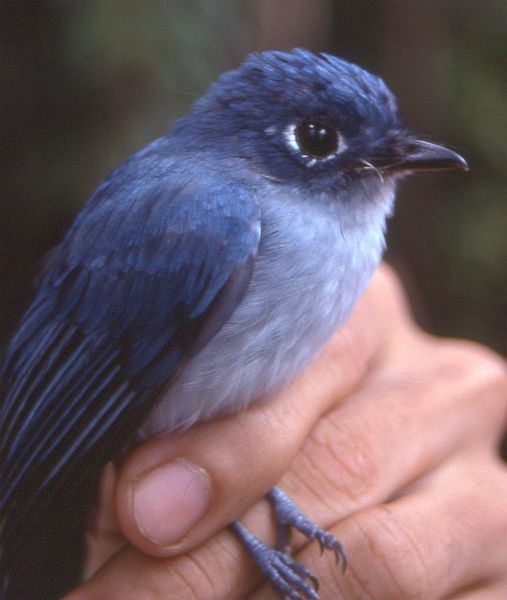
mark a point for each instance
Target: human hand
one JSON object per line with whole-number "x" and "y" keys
{"x": 389, "y": 440}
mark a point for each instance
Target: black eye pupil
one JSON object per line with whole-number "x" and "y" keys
{"x": 316, "y": 139}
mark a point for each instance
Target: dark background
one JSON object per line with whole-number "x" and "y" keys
{"x": 84, "y": 84}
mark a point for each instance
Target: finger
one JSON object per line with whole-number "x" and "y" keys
{"x": 220, "y": 568}
{"x": 494, "y": 591}
{"x": 103, "y": 534}
{"x": 400, "y": 426}
{"x": 447, "y": 535}
{"x": 175, "y": 492}
{"x": 400, "y": 550}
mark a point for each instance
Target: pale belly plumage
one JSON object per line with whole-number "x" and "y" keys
{"x": 309, "y": 272}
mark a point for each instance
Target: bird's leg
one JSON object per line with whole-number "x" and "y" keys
{"x": 288, "y": 515}
{"x": 290, "y": 579}
{"x": 283, "y": 535}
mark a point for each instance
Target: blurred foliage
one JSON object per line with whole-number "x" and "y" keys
{"x": 477, "y": 241}
{"x": 85, "y": 83}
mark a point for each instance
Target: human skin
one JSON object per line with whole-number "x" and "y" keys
{"x": 389, "y": 440}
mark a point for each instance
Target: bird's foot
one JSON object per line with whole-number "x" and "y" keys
{"x": 290, "y": 579}
{"x": 288, "y": 515}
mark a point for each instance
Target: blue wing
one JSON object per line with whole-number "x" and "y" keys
{"x": 152, "y": 268}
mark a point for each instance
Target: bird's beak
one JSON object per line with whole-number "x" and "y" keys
{"x": 419, "y": 155}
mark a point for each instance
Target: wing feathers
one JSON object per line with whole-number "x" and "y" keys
{"x": 123, "y": 301}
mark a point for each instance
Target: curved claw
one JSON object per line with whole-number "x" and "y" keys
{"x": 328, "y": 541}
{"x": 288, "y": 578}
{"x": 315, "y": 582}
{"x": 321, "y": 545}
{"x": 289, "y": 515}
{"x": 296, "y": 574}
{"x": 341, "y": 557}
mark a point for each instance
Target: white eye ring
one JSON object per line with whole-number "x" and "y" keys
{"x": 294, "y": 147}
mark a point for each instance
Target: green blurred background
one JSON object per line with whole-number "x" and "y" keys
{"x": 85, "y": 83}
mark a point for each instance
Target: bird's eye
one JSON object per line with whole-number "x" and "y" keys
{"x": 316, "y": 139}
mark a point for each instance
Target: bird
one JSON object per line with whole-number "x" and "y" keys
{"x": 204, "y": 273}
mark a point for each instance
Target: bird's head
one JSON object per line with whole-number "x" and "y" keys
{"x": 314, "y": 120}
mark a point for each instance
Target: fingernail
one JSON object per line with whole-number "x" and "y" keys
{"x": 170, "y": 500}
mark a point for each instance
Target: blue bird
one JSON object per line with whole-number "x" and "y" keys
{"x": 206, "y": 271}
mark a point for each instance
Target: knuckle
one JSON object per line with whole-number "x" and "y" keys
{"x": 484, "y": 373}
{"x": 348, "y": 355}
{"x": 492, "y": 374}
{"x": 468, "y": 365}
{"x": 481, "y": 363}
{"x": 397, "y": 567}
{"x": 189, "y": 580}
{"x": 339, "y": 446}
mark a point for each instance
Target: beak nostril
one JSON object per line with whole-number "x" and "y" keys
{"x": 412, "y": 155}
